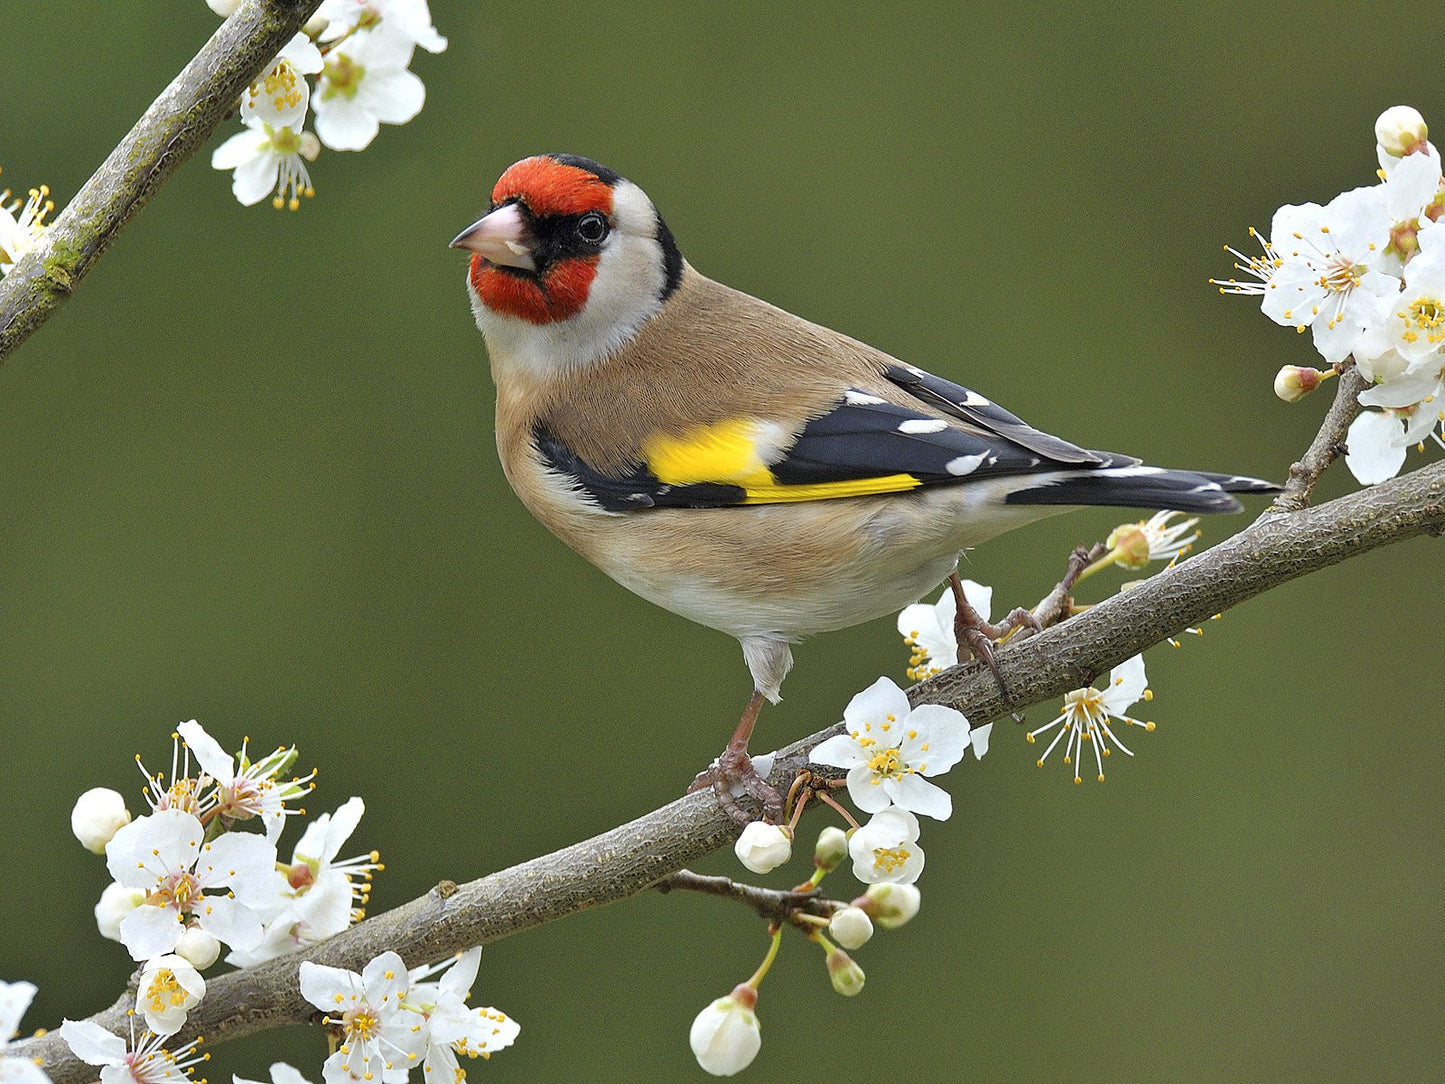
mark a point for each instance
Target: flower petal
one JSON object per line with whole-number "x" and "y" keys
{"x": 1126, "y": 685}
{"x": 1374, "y": 452}
{"x": 874, "y": 704}
{"x": 150, "y": 931}
{"x": 839, "y": 751}
{"x": 91, "y": 1043}
{"x": 944, "y": 730}
{"x": 864, "y": 789}
{"x": 918, "y": 795}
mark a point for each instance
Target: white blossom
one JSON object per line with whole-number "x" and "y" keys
{"x": 1087, "y": 712}
{"x": 168, "y": 989}
{"x": 146, "y": 1061}
{"x": 408, "y": 19}
{"x": 268, "y": 159}
{"x": 280, "y": 93}
{"x": 22, "y": 225}
{"x": 851, "y": 927}
{"x": 281, "y": 1073}
{"x": 452, "y": 1027}
{"x": 890, "y": 746}
{"x": 929, "y": 630}
{"x": 317, "y": 895}
{"x": 886, "y": 848}
{"x": 250, "y": 790}
{"x": 380, "y": 1038}
{"x": 366, "y": 84}
{"x": 891, "y": 905}
{"x": 164, "y": 854}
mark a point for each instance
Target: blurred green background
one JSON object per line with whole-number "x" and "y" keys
{"x": 249, "y": 478}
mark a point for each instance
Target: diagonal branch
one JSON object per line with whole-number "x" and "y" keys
{"x": 1327, "y": 446}
{"x": 628, "y": 859}
{"x": 172, "y": 129}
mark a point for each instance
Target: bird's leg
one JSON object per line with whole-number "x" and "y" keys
{"x": 973, "y": 632}
{"x": 735, "y": 767}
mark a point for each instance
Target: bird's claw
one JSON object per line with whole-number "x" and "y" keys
{"x": 735, "y": 769}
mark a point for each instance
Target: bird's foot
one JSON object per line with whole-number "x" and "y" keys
{"x": 978, "y": 637}
{"x": 735, "y": 770}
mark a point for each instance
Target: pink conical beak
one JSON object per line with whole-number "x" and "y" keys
{"x": 498, "y": 238}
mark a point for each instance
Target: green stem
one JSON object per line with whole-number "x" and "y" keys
{"x": 766, "y": 965}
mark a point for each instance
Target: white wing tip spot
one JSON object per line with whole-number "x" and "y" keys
{"x": 922, "y": 425}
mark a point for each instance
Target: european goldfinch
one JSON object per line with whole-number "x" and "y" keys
{"x": 732, "y": 462}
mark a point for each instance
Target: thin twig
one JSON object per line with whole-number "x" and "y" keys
{"x": 769, "y": 903}
{"x": 1328, "y": 445}
{"x": 628, "y": 859}
{"x": 178, "y": 122}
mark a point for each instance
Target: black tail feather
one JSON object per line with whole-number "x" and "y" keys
{"x": 1140, "y": 487}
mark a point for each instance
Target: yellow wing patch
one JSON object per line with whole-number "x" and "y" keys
{"x": 731, "y": 453}
{"x": 726, "y": 452}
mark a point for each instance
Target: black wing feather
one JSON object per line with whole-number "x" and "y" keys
{"x": 969, "y": 406}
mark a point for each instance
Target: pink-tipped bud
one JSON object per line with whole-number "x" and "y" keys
{"x": 725, "y": 1036}
{"x": 844, "y": 973}
{"x": 1294, "y": 382}
{"x": 1401, "y": 130}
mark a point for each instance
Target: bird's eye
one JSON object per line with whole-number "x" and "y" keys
{"x": 592, "y": 227}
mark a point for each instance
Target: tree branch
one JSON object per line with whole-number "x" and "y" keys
{"x": 172, "y": 129}
{"x": 1327, "y": 446}
{"x": 640, "y": 854}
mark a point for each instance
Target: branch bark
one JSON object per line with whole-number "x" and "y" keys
{"x": 176, "y": 125}
{"x": 626, "y": 860}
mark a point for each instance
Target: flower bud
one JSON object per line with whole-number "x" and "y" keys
{"x": 198, "y": 947}
{"x": 1294, "y": 382}
{"x": 169, "y": 988}
{"x": 725, "y": 1036}
{"x": 846, "y": 975}
{"x": 116, "y": 902}
{"x": 851, "y": 927}
{"x": 890, "y": 905}
{"x": 1129, "y": 545}
{"x": 764, "y": 847}
{"x": 99, "y": 813}
{"x": 1401, "y": 130}
{"x": 223, "y": 8}
{"x": 832, "y": 848}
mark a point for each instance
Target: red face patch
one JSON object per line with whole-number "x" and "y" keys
{"x": 548, "y": 187}
{"x": 559, "y": 295}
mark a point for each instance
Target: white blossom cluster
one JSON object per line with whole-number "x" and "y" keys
{"x": 191, "y": 876}
{"x": 359, "y": 53}
{"x": 1365, "y": 274}
{"x": 200, "y": 872}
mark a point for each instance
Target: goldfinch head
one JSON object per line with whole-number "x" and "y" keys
{"x": 568, "y": 261}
